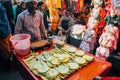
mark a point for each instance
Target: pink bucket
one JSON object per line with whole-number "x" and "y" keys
{"x": 21, "y": 44}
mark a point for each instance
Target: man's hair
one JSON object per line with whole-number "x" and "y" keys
{"x": 68, "y": 10}
{"x": 40, "y": 3}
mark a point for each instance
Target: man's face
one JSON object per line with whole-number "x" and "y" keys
{"x": 32, "y": 5}
{"x": 18, "y": 3}
{"x": 24, "y": 6}
{"x": 67, "y": 13}
{"x": 43, "y": 6}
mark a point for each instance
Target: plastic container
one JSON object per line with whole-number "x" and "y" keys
{"x": 21, "y": 44}
{"x": 50, "y": 39}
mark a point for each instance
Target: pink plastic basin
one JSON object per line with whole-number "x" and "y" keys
{"x": 21, "y": 44}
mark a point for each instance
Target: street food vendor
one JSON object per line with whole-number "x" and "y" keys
{"x": 31, "y": 22}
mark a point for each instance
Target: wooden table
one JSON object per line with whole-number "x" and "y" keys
{"x": 88, "y": 72}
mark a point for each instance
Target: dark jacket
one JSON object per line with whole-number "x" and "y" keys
{"x": 5, "y": 29}
{"x": 9, "y": 11}
{"x": 46, "y": 15}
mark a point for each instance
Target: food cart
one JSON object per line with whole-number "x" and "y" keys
{"x": 87, "y": 72}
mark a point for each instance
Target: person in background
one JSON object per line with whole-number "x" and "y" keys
{"x": 31, "y": 22}
{"x": 9, "y": 11}
{"x": 79, "y": 19}
{"x": 42, "y": 7}
{"x": 21, "y": 9}
{"x": 65, "y": 24}
{"x": 55, "y": 21}
{"x": 18, "y": 5}
{"x": 14, "y": 9}
{"x": 5, "y": 34}
{"x": 86, "y": 14}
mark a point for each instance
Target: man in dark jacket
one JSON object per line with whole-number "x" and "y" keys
{"x": 5, "y": 34}
{"x": 7, "y": 4}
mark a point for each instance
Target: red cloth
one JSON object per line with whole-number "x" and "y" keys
{"x": 102, "y": 16}
{"x": 77, "y": 7}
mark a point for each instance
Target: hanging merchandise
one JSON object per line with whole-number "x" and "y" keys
{"x": 116, "y": 4}
{"x": 58, "y": 4}
{"x": 54, "y": 23}
{"x": 88, "y": 43}
{"x": 81, "y": 3}
{"x": 64, "y": 5}
{"x": 93, "y": 24}
{"x": 113, "y": 18}
{"x": 69, "y": 5}
{"x": 50, "y": 4}
{"x": 102, "y": 14}
{"x": 102, "y": 52}
{"x": 108, "y": 43}
{"x": 108, "y": 8}
{"x": 53, "y": 5}
{"x": 76, "y": 6}
{"x": 113, "y": 29}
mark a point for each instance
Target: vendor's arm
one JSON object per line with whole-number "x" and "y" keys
{"x": 19, "y": 24}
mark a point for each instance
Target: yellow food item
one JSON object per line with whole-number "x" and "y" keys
{"x": 73, "y": 65}
{"x": 43, "y": 69}
{"x": 64, "y": 70}
{"x": 72, "y": 49}
{"x": 52, "y": 74}
{"x": 88, "y": 58}
{"x": 79, "y": 53}
{"x": 80, "y": 60}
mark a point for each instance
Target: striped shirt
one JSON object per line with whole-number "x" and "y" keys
{"x": 33, "y": 24}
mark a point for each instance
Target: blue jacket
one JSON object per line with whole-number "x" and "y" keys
{"x": 5, "y": 29}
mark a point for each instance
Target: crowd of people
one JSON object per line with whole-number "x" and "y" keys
{"x": 33, "y": 17}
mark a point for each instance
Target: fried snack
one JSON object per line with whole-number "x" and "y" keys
{"x": 88, "y": 58}
{"x": 73, "y": 65}
{"x": 79, "y": 53}
{"x": 80, "y": 60}
{"x": 38, "y": 44}
{"x": 72, "y": 49}
{"x": 52, "y": 74}
{"x": 63, "y": 70}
